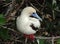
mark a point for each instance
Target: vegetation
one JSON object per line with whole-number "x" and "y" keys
{"x": 48, "y": 10}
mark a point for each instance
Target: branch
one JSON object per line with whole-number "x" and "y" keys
{"x": 40, "y": 37}
{"x": 36, "y": 8}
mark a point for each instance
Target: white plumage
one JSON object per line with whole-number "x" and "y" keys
{"x": 24, "y": 21}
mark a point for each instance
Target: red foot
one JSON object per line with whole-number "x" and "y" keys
{"x": 31, "y": 36}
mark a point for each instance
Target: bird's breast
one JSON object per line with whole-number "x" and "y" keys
{"x": 23, "y": 26}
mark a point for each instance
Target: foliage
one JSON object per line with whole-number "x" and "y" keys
{"x": 58, "y": 41}
{"x": 2, "y": 19}
{"x": 4, "y": 34}
{"x": 48, "y": 10}
{"x": 41, "y": 41}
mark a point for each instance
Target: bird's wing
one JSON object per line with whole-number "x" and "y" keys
{"x": 35, "y": 24}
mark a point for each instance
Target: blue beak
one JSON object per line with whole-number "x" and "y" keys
{"x": 35, "y": 15}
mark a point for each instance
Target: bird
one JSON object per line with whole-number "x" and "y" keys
{"x": 28, "y": 22}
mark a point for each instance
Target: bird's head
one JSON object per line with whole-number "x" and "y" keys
{"x": 30, "y": 11}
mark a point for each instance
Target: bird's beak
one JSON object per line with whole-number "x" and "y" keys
{"x": 36, "y": 15}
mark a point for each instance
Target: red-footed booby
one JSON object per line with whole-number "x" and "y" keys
{"x": 27, "y": 24}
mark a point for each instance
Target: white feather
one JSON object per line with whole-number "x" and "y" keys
{"x": 24, "y": 21}
{"x": 35, "y": 22}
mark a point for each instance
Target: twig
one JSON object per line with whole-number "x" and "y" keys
{"x": 53, "y": 14}
{"x": 20, "y": 5}
{"x": 10, "y": 8}
{"x": 26, "y": 1}
{"x": 38, "y": 41}
{"x": 40, "y": 37}
{"x": 43, "y": 6}
{"x": 7, "y": 4}
{"x": 26, "y": 41}
{"x": 18, "y": 41}
{"x": 39, "y": 4}
{"x": 36, "y": 8}
{"x": 57, "y": 10}
{"x": 52, "y": 40}
{"x": 10, "y": 13}
{"x": 10, "y": 29}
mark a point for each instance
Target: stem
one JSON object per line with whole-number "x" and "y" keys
{"x": 53, "y": 14}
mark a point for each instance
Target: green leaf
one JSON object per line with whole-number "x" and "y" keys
{"x": 4, "y": 34}
{"x": 58, "y": 41}
{"x": 41, "y": 41}
{"x": 2, "y": 19}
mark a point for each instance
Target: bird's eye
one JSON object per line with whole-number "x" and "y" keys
{"x": 33, "y": 13}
